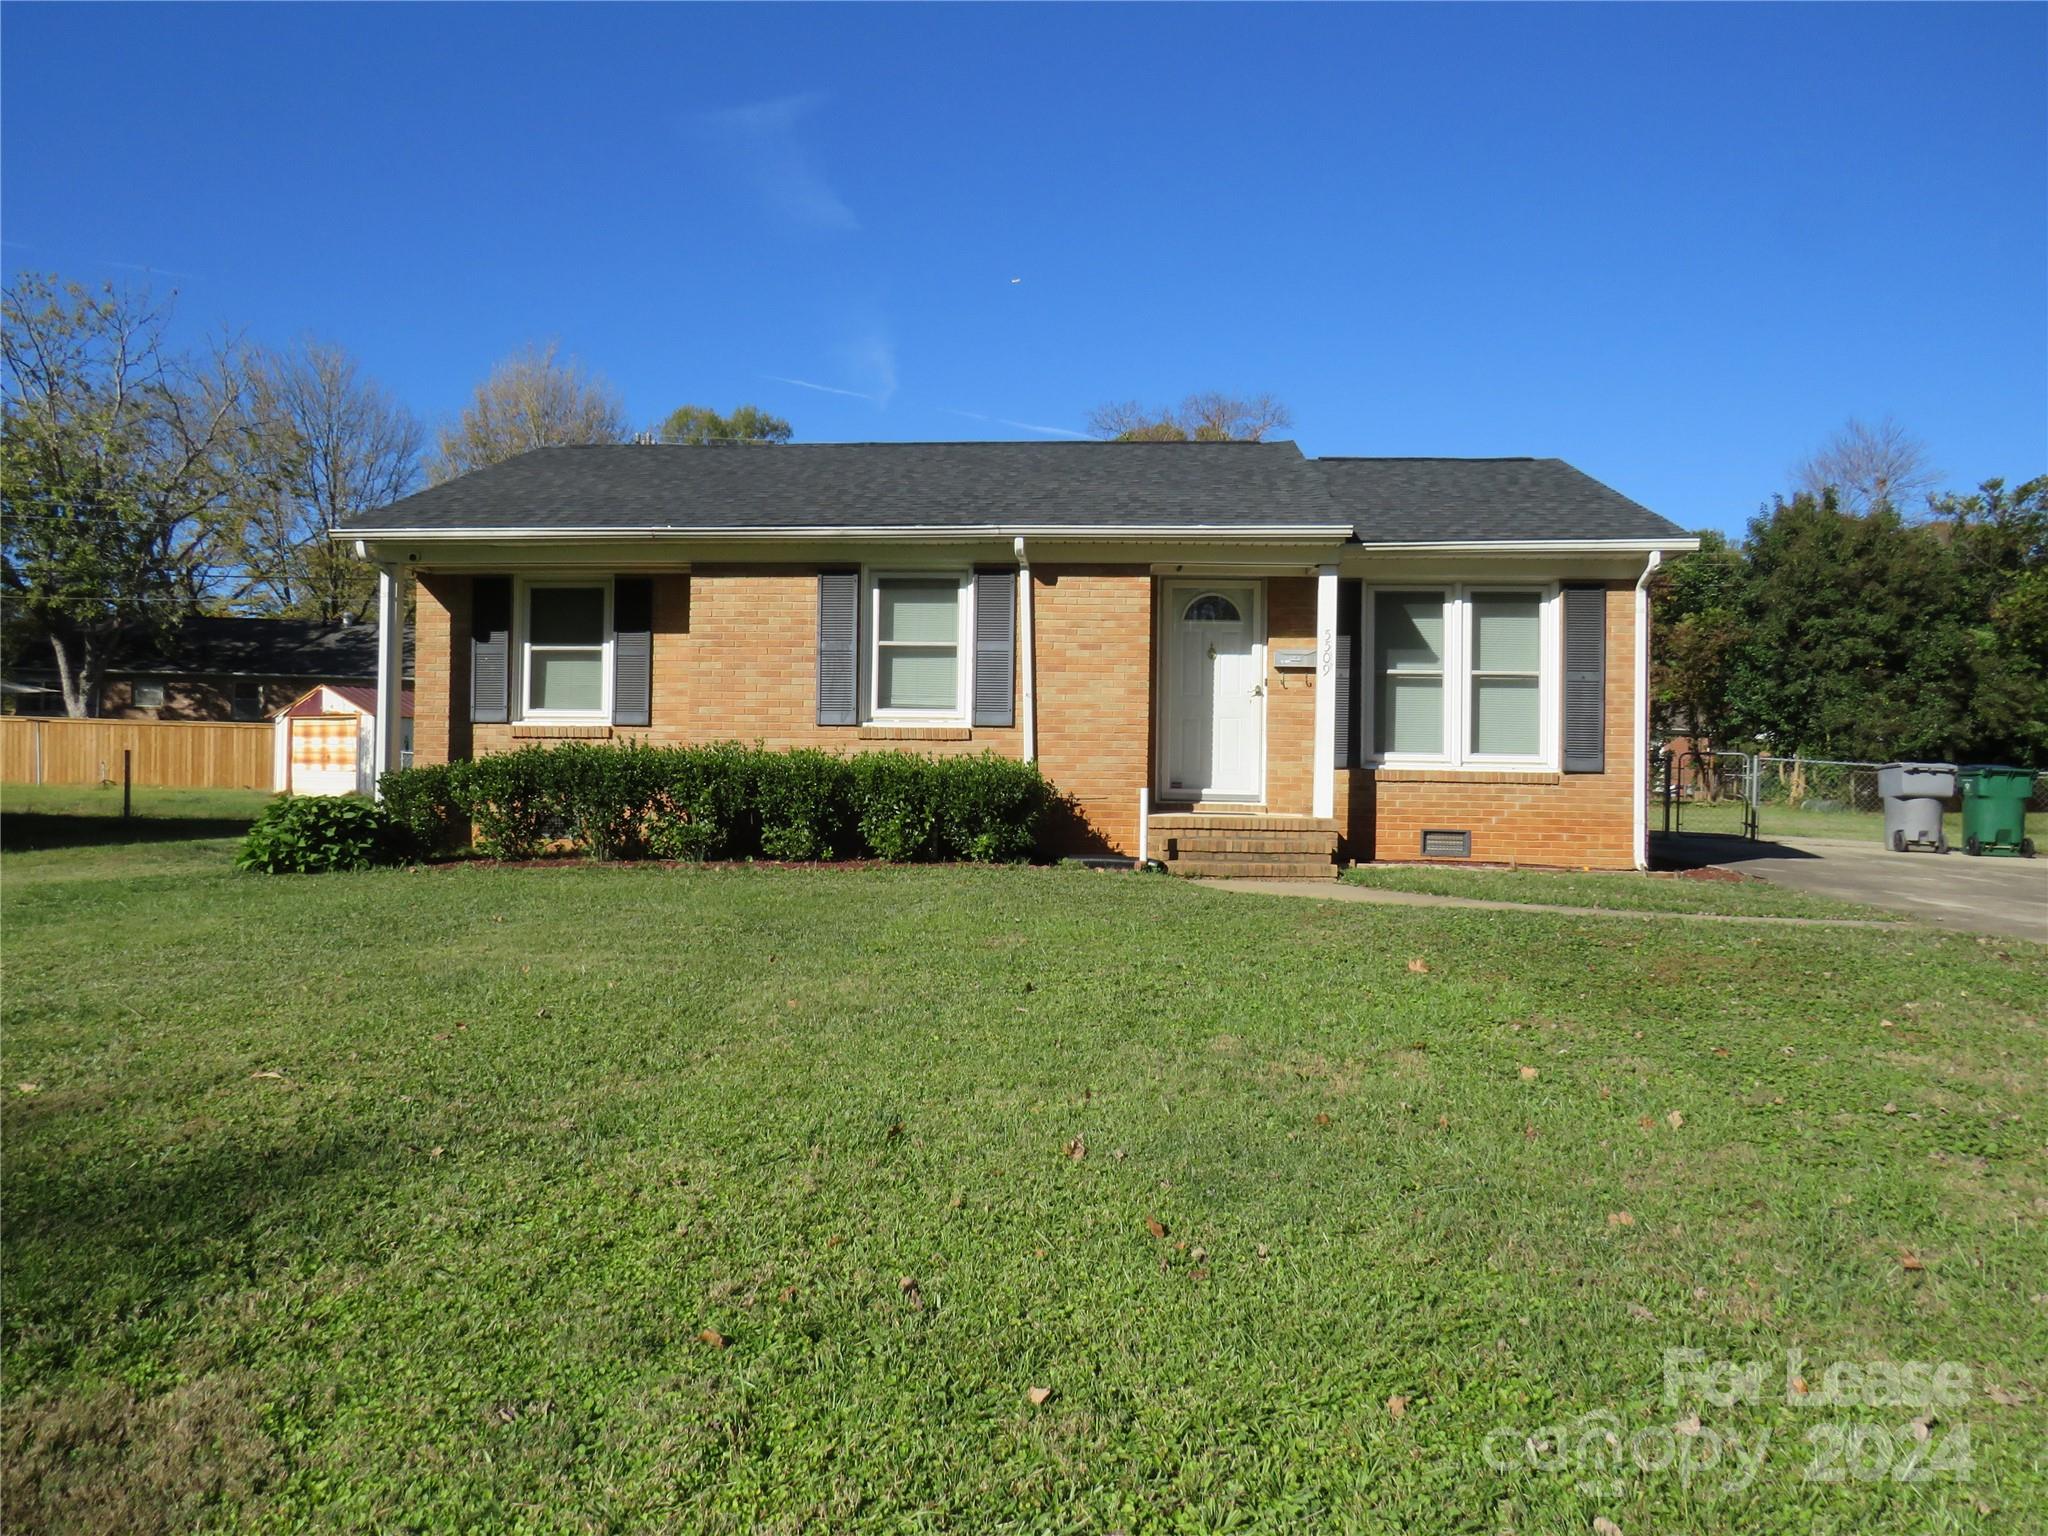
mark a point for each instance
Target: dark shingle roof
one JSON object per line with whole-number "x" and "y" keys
{"x": 876, "y": 485}
{"x": 1450, "y": 501}
{"x": 1140, "y": 486}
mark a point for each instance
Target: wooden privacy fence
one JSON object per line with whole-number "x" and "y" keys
{"x": 169, "y": 754}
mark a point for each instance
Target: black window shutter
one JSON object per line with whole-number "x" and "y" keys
{"x": 838, "y": 647}
{"x": 490, "y": 649}
{"x": 1585, "y": 679}
{"x": 1350, "y": 604}
{"x": 633, "y": 651}
{"x": 995, "y": 645}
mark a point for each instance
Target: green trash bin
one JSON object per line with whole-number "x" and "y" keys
{"x": 1995, "y": 809}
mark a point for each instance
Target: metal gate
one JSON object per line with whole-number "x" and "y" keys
{"x": 1708, "y": 793}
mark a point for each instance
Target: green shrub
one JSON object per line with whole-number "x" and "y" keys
{"x": 313, "y": 834}
{"x": 429, "y": 808}
{"x": 802, "y": 801}
{"x": 517, "y": 801}
{"x": 726, "y": 800}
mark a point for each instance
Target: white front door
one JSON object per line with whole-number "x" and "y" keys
{"x": 1215, "y": 705}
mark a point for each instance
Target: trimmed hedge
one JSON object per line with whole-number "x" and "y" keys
{"x": 723, "y": 801}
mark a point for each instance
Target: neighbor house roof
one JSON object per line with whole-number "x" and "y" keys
{"x": 1456, "y": 501}
{"x": 227, "y": 645}
{"x": 799, "y": 488}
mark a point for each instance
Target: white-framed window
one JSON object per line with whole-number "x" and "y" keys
{"x": 565, "y": 649}
{"x": 1463, "y": 675}
{"x": 149, "y": 696}
{"x": 919, "y": 655}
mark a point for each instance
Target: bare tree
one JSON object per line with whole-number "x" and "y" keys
{"x": 1207, "y": 417}
{"x": 1869, "y": 466}
{"x": 118, "y": 471}
{"x": 324, "y": 443}
{"x": 530, "y": 400}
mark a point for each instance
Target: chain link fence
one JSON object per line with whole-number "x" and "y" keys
{"x": 1738, "y": 794}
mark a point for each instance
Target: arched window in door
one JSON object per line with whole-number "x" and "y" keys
{"x": 1211, "y": 608}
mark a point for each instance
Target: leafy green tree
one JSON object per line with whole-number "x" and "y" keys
{"x": 1853, "y": 646}
{"x": 118, "y": 473}
{"x": 1696, "y": 635}
{"x": 701, "y": 424}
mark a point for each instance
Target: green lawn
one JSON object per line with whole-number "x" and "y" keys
{"x": 403, "y": 1201}
{"x": 41, "y": 816}
{"x": 1623, "y": 892}
{"x": 1796, "y": 821}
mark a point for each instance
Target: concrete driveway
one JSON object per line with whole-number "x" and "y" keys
{"x": 2005, "y": 897}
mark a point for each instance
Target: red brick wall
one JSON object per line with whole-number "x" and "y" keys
{"x": 1290, "y": 697}
{"x": 1521, "y": 818}
{"x": 735, "y": 658}
{"x": 1094, "y": 647}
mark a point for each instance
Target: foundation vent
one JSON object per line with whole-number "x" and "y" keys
{"x": 1447, "y": 845}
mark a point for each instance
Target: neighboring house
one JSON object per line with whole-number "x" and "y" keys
{"x": 212, "y": 667}
{"x": 326, "y": 740}
{"x": 1386, "y": 658}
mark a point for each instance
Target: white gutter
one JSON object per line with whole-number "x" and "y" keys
{"x": 1122, "y": 532}
{"x": 1642, "y": 708}
{"x": 1027, "y": 670}
{"x": 1681, "y": 545}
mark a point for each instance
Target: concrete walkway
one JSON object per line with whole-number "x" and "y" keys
{"x": 1334, "y": 890}
{"x": 2007, "y": 898}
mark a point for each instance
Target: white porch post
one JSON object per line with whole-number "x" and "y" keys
{"x": 1640, "y": 706}
{"x": 390, "y": 671}
{"x": 1325, "y": 798}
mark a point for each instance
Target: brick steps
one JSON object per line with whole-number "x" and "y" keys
{"x": 1248, "y": 846}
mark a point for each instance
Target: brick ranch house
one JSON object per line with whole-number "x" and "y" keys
{"x": 1228, "y": 654}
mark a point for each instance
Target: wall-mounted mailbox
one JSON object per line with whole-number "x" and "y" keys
{"x": 1295, "y": 661}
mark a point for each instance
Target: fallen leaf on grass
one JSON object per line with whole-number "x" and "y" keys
{"x": 1077, "y": 1148}
{"x": 38, "y": 1087}
{"x": 1620, "y": 1219}
{"x": 1646, "y": 1122}
{"x": 1689, "y": 1426}
{"x": 1038, "y": 1396}
{"x": 714, "y": 1338}
{"x": 1675, "y": 1120}
{"x": 1911, "y": 1262}
{"x": 1641, "y": 1313}
{"x": 1155, "y": 1226}
{"x": 1418, "y": 965}
{"x": 1891, "y": 1109}
{"x": 253, "y": 1077}
{"x": 1397, "y": 1406}
{"x": 1529, "y": 1074}
{"x": 1322, "y": 1119}
{"x": 1602, "y": 1526}
{"x": 1529, "y": 1131}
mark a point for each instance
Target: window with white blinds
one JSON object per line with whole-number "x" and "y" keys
{"x": 1463, "y": 675}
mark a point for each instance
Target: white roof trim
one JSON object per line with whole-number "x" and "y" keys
{"x": 1537, "y": 546}
{"x": 1121, "y": 531}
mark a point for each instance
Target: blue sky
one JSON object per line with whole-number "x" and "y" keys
{"x": 1675, "y": 245}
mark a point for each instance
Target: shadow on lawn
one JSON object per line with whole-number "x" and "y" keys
{"x": 29, "y": 831}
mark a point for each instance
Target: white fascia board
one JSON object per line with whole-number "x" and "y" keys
{"x": 1194, "y": 532}
{"x": 1535, "y": 547}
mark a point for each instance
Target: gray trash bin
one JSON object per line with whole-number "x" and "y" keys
{"x": 1915, "y": 795}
